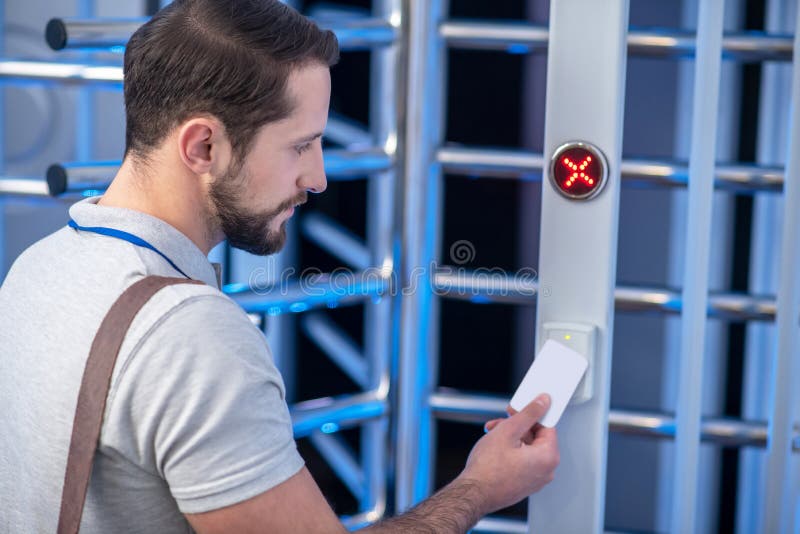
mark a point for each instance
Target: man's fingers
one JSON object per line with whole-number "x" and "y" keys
{"x": 546, "y": 440}
{"x": 530, "y": 415}
{"x": 491, "y": 424}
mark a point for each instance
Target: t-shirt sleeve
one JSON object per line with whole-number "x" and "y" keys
{"x": 201, "y": 405}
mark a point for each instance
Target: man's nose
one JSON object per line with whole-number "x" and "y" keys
{"x": 314, "y": 179}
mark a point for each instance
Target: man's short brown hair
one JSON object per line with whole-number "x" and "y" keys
{"x": 227, "y": 58}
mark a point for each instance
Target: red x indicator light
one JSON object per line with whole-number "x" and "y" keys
{"x": 578, "y": 170}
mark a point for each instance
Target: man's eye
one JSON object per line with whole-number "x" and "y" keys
{"x": 302, "y": 148}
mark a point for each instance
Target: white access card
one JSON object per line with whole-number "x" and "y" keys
{"x": 557, "y": 371}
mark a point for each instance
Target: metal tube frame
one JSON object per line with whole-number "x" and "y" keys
{"x": 425, "y": 39}
{"x": 518, "y": 164}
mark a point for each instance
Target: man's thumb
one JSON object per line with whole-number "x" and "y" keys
{"x": 530, "y": 414}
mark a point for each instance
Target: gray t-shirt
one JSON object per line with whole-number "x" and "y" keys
{"x": 196, "y": 417}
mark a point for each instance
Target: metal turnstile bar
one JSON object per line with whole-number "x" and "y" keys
{"x": 500, "y": 524}
{"x": 344, "y": 164}
{"x": 321, "y": 290}
{"x": 330, "y": 414}
{"x": 488, "y": 288}
{"x": 23, "y": 186}
{"x": 341, "y": 459}
{"x": 338, "y": 346}
{"x": 107, "y": 34}
{"x": 505, "y": 163}
{"x": 347, "y": 132}
{"x": 335, "y": 240}
{"x": 479, "y": 286}
{"x": 69, "y": 73}
{"x": 362, "y": 33}
{"x": 729, "y": 306}
{"x": 361, "y": 520}
{"x": 78, "y": 177}
{"x": 113, "y": 34}
{"x": 522, "y": 37}
{"x": 451, "y": 405}
{"x": 75, "y": 177}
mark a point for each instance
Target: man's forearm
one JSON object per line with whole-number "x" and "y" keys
{"x": 453, "y": 509}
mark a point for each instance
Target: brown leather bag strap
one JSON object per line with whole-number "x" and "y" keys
{"x": 94, "y": 390}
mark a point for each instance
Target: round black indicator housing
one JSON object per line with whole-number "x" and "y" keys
{"x": 578, "y": 170}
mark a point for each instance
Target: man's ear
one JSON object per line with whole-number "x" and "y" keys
{"x": 202, "y": 145}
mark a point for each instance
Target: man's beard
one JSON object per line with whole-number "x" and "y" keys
{"x": 246, "y": 230}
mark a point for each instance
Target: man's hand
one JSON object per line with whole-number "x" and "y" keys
{"x": 517, "y": 457}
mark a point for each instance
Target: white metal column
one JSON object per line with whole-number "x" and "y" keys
{"x": 578, "y": 248}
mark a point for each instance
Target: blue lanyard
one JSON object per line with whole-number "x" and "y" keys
{"x": 125, "y": 236}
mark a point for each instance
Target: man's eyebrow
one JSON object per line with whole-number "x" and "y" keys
{"x": 307, "y": 139}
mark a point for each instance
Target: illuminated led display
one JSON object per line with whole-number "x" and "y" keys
{"x": 578, "y": 170}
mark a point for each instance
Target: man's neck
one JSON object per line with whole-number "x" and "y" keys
{"x": 171, "y": 195}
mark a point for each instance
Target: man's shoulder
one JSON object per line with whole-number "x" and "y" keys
{"x": 189, "y": 340}
{"x": 195, "y": 320}
{"x": 42, "y": 250}
{"x": 191, "y": 309}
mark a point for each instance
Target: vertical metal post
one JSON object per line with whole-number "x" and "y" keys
{"x": 578, "y": 244}
{"x": 420, "y": 227}
{"x": 84, "y": 118}
{"x": 696, "y": 266}
{"x": 780, "y": 502}
{"x": 281, "y": 331}
{"x": 3, "y": 117}
{"x": 760, "y": 339}
{"x": 715, "y": 357}
{"x": 378, "y": 338}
